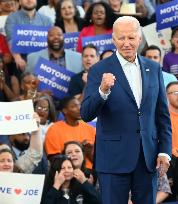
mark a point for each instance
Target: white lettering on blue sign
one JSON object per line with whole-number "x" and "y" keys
{"x": 169, "y": 19}
{"x": 100, "y": 42}
{"x": 169, "y": 9}
{"x": 31, "y": 43}
{"x": 55, "y": 73}
{"x": 52, "y": 84}
{"x": 32, "y": 33}
{"x": 71, "y": 40}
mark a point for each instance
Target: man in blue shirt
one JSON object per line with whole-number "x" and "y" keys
{"x": 27, "y": 15}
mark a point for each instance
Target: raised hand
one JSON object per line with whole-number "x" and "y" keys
{"x": 107, "y": 82}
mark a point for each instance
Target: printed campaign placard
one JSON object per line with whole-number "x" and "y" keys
{"x": 167, "y": 15}
{"x": 29, "y": 38}
{"x": 17, "y": 117}
{"x": 70, "y": 40}
{"x": 102, "y": 42}
{"x": 53, "y": 77}
{"x": 17, "y": 188}
{"x": 159, "y": 38}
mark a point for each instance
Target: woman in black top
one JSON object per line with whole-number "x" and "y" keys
{"x": 64, "y": 185}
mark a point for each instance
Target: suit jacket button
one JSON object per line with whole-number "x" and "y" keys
{"x": 139, "y": 113}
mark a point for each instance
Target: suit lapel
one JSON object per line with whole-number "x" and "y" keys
{"x": 121, "y": 79}
{"x": 145, "y": 71}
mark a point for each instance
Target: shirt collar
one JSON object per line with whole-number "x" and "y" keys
{"x": 16, "y": 151}
{"x": 123, "y": 61}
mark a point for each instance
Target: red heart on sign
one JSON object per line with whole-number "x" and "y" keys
{"x": 17, "y": 191}
{"x": 8, "y": 117}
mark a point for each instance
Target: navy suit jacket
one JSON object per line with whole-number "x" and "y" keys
{"x": 122, "y": 127}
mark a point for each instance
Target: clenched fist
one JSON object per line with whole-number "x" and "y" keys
{"x": 107, "y": 82}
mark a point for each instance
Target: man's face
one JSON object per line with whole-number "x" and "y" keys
{"x": 127, "y": 39}
{"x": 172, "y": 94}
{"x": 73, "y": 110}
{"x": 153, "y": 55}
{"x": 20, "y": 141}
{"x": 28, "y": 5}
{"x": 89, "y": 58}
{"x": 55, "y": 39}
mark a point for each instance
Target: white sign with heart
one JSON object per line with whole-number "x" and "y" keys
{"x": 17, "y": 188}
{"x": 17, "y": 117}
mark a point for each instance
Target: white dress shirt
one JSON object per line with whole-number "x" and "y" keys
{"x": 133, "y": 74}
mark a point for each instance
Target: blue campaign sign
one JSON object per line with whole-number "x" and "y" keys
{"x": 102, "y": 42}
{"x": 53, "y": 77}
{"x": 70, "y": 40}
{"x": 27, "y": 38}
{"x": 132, "y": 1}
{"x": 167, "y": 15}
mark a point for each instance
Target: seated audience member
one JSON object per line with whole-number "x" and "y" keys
{"x": 89, "y": 57}
{"x": 64, "y": 184}
{"x": 154, "y": 53}
{"x": 78, "y": 152}
{"x": 8, "y": 59}
{"x": 163, "y": 189}
{"x": 29, "y": 83}
{"x": 27, "y": 15}
{"x": 56, "y": 53}
{"x": 115, "y": 5}
{"x": 71, "y": 128}
{"x": 170, "y": 60}
{"x": 172, "y": 95}
{"x": 24, "y": 151}
{"x": 6, "y": 7}
{"x": 49, "y": 9}
{"x": 9, "y": 84}
{"x": 4, "y": 49}
{"x": 27, "y": 150}
{"x": 99, "y": 19}
{"x": 45, "y": 108}
{"x": 146, "y": 10}
{"x": 7, "y": 161}
{"x": 106, "y": 53}
{"x": 68, "y": 17}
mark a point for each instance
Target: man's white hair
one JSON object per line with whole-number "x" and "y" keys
{"x": 128, "y": 19}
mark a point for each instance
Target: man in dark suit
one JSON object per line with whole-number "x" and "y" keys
{"x": 90, "y": 56}
{"x": 133, "y": 138}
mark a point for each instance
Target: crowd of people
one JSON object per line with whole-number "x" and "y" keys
{"x": 63, "y": 148}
